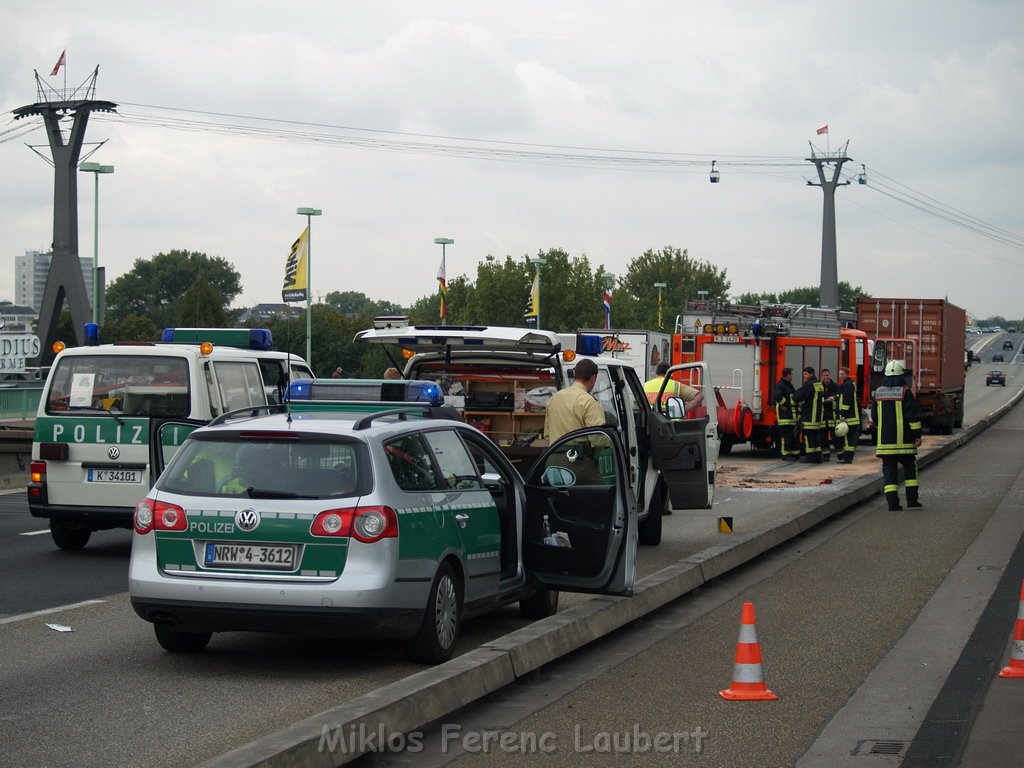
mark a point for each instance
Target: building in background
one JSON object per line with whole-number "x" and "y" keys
{"x": 30, "y": 273}
{"x": 16, "y": 319}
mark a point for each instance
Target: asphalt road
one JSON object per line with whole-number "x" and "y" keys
{"x": 105, "y": 694}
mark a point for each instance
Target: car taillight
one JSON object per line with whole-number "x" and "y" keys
{"x": 152, "y": 515}
{"x": 37, "y": 480}
{"x": 366, "y": 524}
{"x": 142, "y": 517}
{"x": 374, "y": 523}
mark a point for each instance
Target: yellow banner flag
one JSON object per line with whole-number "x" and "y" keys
{"x": 533, "y": 305}
{"x": 295, "y": 270}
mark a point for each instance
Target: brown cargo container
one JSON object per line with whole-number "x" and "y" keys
{"x": 938, "y": 329}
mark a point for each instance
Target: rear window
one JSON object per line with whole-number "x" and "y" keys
{"x": 136, "y": 385}
{"x": 216, "y": 465}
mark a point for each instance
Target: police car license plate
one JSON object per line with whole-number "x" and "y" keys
{"x": 115, "y": 476}
{"x": 257, "y": 556}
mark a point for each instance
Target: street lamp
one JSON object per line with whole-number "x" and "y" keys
{"x": 660, "y": 286}
{"x": 442, "y": 277}
{"x": 609, "y": 282}
{"x": 309, "y": 213}
{"x": 538, "y": 262}
{"x": 96, "y": 169}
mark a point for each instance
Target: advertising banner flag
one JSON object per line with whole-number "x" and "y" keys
{"x": 296, "y": 270}
{"x": 533, "y": 303}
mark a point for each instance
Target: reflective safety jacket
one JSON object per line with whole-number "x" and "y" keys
{"x": 785, "y": 404}
{"x": 809, "y": 397}
{"x": 897, "y": 418}
{"x": 846, "y": 403}
{"x": 830, "y": 409}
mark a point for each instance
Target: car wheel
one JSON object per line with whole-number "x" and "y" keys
{"x": 539, "y": 605}
{"x": 69, "y": 538}
{"x": 181, "y": 642}
{"x": 649, "y": 530}
{"x": 435, "y": 641}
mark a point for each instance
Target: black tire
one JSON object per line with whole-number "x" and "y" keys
{"x": 68, "y": 537}
{"x": 438, "y": 634}
{"x": 725, "y": 447}
{"x": 539, "y": 605}
{"x": 181, "y": 642}
{"x": 649, "y": 530}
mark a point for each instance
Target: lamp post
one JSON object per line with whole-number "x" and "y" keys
{"x": 96, "y": 169}
{"x": 660, "y": 286}
{"x": 442, "y": 276}
{"x": 538, "y": 262}
{"x": 309, "y": 213}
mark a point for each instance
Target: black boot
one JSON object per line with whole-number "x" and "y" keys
{"x": 893, "y": 499}
{"x": 912, "y": 501}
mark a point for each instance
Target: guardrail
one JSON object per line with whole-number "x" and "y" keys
{"x": 19, "y": 403}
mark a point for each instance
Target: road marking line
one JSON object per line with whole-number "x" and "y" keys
{"x": 45, "y": 611}
{"x": 12, "y": 491}
{"x": 34, "y": 533}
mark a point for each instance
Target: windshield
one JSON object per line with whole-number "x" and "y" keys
{"x": 228, "y": 465}
{"x": 133, "y": 385}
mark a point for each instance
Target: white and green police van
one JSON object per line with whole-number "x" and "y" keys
{"x": 90, "y": 451}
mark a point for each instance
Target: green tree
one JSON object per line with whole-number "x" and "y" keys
{"x": 810, "y": 295}
{"x": 635, "y": 302}
{"x": 357, "y": 304}
{"x": 131, "y": 328}
{"x": 154, "y": 287}
{"x": 202, "y": 306}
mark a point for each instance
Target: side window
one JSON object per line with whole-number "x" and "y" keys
{"x": 457, "y": 468}
{"x": 240, "y": 385}
{"x": 603, "y": 391}
{"x": 411, "y": 465}
{"x": 585, "y": 460}
{"x": 483, "y": 462}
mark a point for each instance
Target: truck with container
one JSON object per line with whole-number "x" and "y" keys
{"x": 748, "y": 346}
{"x": 643, "y": 350}
{"x": 929, "y": 336}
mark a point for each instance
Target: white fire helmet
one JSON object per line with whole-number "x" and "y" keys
{"x": 895, "y": 368}
{"x": 840, "y": 429}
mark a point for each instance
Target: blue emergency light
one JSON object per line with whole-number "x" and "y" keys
{"x": 588, "y": 344}
{"x": 244, "y": 338}
{"x": 92, "y": 334}
{"x": 365, "y": 390}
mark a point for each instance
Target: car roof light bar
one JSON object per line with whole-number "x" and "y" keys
{"x": 366, "y": 390}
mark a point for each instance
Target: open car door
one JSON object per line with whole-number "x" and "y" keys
{"x": 580, "y": 525}
{"x": 685, "y": 445}
{"x": 165, "y": 437}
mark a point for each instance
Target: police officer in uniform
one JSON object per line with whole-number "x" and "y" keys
{"x": 576, "y": 408}
{"x": 897, "y": 420}
{"x": 785, "y": 416}
{"x": 809, "y": 398}
{"x": 848, "y": 412}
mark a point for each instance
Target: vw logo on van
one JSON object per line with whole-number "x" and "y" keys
{"x": 247, "y": 519}
{"x": 113, "y": 452}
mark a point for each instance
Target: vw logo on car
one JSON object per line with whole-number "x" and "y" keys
{"x": 113, "y": 452}
{"x": 247, "y": 519}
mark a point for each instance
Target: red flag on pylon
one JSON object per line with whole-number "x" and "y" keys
{"x": 59, "y": 64}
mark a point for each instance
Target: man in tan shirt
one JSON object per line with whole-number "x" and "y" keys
{"x": 575, "y": 408}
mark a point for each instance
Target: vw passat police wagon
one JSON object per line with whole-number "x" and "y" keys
{"x": 364, "y": 510}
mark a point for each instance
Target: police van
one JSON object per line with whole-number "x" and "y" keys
{"x": 499, "y": 379}
{"x": 90, "y": 463}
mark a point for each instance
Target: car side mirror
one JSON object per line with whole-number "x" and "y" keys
{"x": 675, "y": 408}
{"x": 492, "y": 481}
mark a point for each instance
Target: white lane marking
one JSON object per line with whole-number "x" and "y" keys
{"x": 46, "y": 611}
{"x": 34, "y": 533}
{"x": 12, "y": 491}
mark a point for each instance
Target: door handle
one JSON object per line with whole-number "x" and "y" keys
{"x": 462, "y": 519}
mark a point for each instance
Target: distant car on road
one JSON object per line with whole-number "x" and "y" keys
{"x": 1007, "y": 344}
{"x": 995, "y": 377}
{"x": 997, "y": 357}
{"x": 977, "y": 357}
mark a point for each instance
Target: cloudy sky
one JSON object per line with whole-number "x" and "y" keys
{"x": 928, "y": 94}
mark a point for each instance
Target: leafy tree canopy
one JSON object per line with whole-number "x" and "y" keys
{"x": 810, "y": 295}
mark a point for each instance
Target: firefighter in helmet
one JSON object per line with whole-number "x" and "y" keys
{"x": 896, "y": 417}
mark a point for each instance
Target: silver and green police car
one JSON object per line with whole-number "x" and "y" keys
{"x": 381, "y": 517}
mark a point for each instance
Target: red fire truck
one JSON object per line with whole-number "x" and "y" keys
{"x": 748, "y": 346}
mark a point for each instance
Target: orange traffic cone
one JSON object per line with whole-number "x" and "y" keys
{"x": 1016, "y": 666}
{"x": 748, "y": 675}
